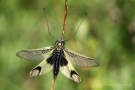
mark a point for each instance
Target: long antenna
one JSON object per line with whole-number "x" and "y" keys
{"x": 65, "y": 17}
{"x": 48, "y": 25}
{"x": 77, "y": 28}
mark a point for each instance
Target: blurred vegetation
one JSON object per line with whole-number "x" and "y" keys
{"x": 107, "y": 34}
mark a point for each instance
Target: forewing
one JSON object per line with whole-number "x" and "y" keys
{"x": 41, "y": 69}
{"x": 35, "y": 54}
{"x": 69, "y": 71}
{"x": 80, "y": 60}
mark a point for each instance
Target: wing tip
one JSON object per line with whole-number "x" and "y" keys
{"x": 17, "y": 54}
{"x": 75, "y": 76}
{"x": 34, "y": 73}
{"x": 97, "y": 64}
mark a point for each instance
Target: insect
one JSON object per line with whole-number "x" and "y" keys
{"x": 57, "y": 58}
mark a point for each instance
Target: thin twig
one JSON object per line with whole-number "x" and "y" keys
{"x": 65, "y": 17}
{"x": 53, "y": 81}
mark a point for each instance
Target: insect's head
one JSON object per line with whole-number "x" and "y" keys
{"x": 60, "y": 43}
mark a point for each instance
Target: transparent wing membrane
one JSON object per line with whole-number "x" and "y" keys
{"x": 79, "y": 59}
{"x": 35, "y": 54}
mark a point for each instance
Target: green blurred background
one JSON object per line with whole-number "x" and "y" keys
{"x": 107, "y": 34}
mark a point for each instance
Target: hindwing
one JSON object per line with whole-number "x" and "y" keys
{"x": 69, "y": 71}
{"x": 41, "y": 69}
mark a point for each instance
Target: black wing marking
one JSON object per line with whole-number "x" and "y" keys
{"x": 70, "y": 72}
{"x": 80, "y": 60}
{"x": 35, "y": 54}
{"x": 41, "y": 69}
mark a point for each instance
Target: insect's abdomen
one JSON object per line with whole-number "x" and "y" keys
{"x": 56, "y": 63}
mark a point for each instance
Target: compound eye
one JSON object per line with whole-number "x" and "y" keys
{"x": 63, "y": 43}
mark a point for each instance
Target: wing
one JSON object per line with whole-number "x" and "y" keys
{"x": 70, "y": 72}
{"x": 35, "y": 54}
{"x": 41, "y": 69}
{"x": 80, "y": 60}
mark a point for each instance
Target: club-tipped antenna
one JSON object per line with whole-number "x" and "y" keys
{"x": 48, "y": 25}
{"x": 77, "y": 28}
